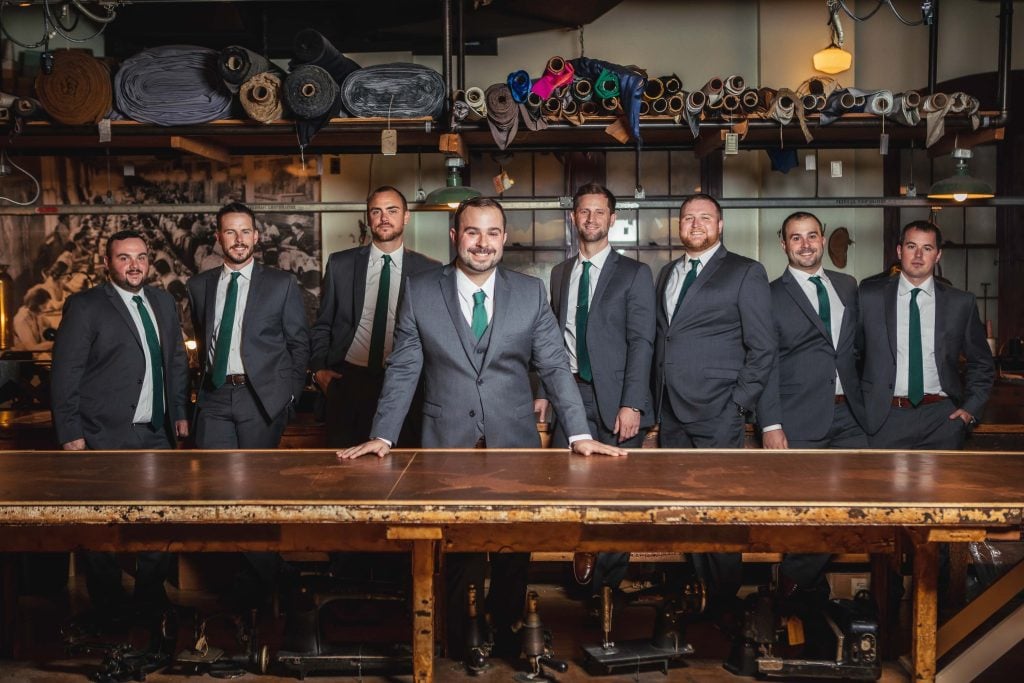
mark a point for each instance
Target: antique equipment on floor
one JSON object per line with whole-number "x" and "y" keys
{"x": 667, "y": 643}
{"x": 536, "y": 641}
{"x": 112, "y": 639}
{"x": 204, "y": 658}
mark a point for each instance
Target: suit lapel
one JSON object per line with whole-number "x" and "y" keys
{"x": 940, "y": 318}
{"x": 359, "y": 269}
{"x": 211, "y": 308}
{"x": 605, "y": 277}
{"x": 450, "y": 295}
{"x": 703, "y": 275}
{"x": 563, "y": 293}
{"x": 799, "y": 297}
{"x": 891, "y": 292}
{"x": 118, "y": 303}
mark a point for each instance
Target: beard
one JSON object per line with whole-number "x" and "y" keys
{"x": 231, "y": 256}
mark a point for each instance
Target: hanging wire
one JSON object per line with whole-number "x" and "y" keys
{"x": 4, "y": 155}
{"x": 53, "y": 25}
{"x": 56, "y": 25}
{"x": 926, "y": 11}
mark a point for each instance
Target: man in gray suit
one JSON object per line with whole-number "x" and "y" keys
{"x": 474, "y": 330}
{"x": 350, "y": 340}
{"x": 914, "y": 329}
{"x": 254, "y": 357}
{"x": 713, "y": 353}
{"x": 120, "y": 381}
{"x": 609, "y": 336}
{"x": 813, "y": 397}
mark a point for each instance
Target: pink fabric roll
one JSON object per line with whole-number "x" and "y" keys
{"x": 557, "y": 73}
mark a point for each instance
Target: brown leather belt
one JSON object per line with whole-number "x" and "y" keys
{"x": 927, "y": 399}
{"x": 236, "y": 380}
{"x": 840, "y": 399}
{"x": 481, "y": 442}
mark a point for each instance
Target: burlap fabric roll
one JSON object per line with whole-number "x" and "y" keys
{"x": 261, "y": 97}
{"x": 78, "y": 92}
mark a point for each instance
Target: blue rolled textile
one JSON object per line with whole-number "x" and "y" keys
{"x": 398, "y": 90}
{"x": 172, "y": 85}
{"x": 631, "y": 87}
{"x": 519, "y": 84}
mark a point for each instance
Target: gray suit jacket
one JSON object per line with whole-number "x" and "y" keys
{"x": 958, "y": 330}
{"x": 720, "y": 347}
{"x": 275, "y": 334}
{"x": 341, "y": 302}
{"x": 99, "y": 365}
{"x": 801, "y": 388}
{"x": 620, "y": 333}
{"x": 476, "y": 389}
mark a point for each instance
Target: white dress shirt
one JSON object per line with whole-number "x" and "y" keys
{"x": 836, "y": 307}
{"x": 144, "y": 406}
{"x": 359, "y": 350}
{"x": 235, "y": 366}
{"x": 678, "y": 275}
{"x": 597, "y": 262}
{"x": 926, "y": 304}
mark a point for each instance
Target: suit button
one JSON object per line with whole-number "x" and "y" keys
{"x": 472, "y": 413}
{"x": 480, "y": 351}
{"x": 668, "y": 339}
{"x": 140, "y": 381}
{"x": 479, "y": 381}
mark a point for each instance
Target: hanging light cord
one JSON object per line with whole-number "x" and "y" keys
{"x": 926, "y": 11}
{"x": 3, "y": 156}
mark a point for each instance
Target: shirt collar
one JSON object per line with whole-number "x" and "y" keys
{"x": 396, "y": 256}
{"x": 703, "y": 256}
{"x": 126, "y": 295}
{"x": 598, "y": 259}
{"x": 802, "y": 276}
{"x": 466, "y": 286}
{"x": 246, "y": 271}
{"x": 928, "y": 286}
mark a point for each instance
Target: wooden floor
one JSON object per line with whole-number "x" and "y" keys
{"x": 39, "y": 619}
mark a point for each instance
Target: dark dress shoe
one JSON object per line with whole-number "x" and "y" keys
{"x": 583, "y": 567}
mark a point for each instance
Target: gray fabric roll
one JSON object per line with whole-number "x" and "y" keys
{"x": 310, "y": 92}
{"x": 172, "y": 85}
{"x": 406, "y": 90}
{"x": 879, "y": 103}
{"x": 237, "y": 64}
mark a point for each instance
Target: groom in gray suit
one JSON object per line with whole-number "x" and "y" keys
{"x": 604, "y": 303}
{"x": 914, "y": 329}
{"x": 713, "y": 352}
{"x": 473, "y": 330}
{"x": 813, "y": 397}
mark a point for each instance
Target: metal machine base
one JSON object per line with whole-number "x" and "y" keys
{"x": 393, "y": 659}
{"x": 633, "y": 654}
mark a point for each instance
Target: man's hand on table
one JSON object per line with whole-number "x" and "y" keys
{"x": 588, "y": 447}
{"x": 378, "y": 447}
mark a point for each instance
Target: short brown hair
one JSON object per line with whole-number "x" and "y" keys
{"x": 477, "y": 203}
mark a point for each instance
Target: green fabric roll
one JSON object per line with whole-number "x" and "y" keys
{"x": 607, "y": 85}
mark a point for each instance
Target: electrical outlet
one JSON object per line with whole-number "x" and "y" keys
{"x": 837, "y": 169}
{"x": 810, "y": 162}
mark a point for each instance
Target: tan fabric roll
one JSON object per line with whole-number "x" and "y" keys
{"x": 477, "y": 102}
{"x": 78, "y": 92}
{"x": 713, "y": 90}
{"x": 261, "y": 97}
{"x": 734, "y": 85}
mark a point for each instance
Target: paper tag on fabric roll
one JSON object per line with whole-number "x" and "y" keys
{"x": 104, "y": 128}
{"x": 883, "y": 144}
{"x": 502, "y": 182}
{"x": 389, "y": 142}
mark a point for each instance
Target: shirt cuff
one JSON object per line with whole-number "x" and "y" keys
{"x": 771, "y": 428}
{"x": 381, "y": 438}
{"x": 578, "y": 437}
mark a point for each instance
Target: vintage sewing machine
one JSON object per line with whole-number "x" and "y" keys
{"x": 204, "y": 658}
{"x": 121, "y": 660}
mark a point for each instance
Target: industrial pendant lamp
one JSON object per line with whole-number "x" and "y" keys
{"x": 454, "y": 192}
{"x": 960, "y": 186}
{"x": 833, "y": 59}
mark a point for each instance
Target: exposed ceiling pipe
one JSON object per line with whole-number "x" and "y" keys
{"x": 933, "y": 48}
{"x": 1003, "y": 77}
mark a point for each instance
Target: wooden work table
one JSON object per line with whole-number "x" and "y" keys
{"x": 431, "y": 501}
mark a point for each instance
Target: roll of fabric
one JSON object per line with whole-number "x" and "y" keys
{"x": 589, "y": 108}
{"x": 962, "y": 103}
{"x": 912, "y": 98}
{"x": 676, "y": 103}
{"x": 558, "y": 72}
{"x": 606, "y": 85}
{"x": 817, "y": 86}
{"x": 631, "y": 88}
{"x": 569, "y": 108}
{"x": 5, "y": 115}
{"x": 460, "y": 110}
{"x": 673, "y": 84}
{"x": 731, "y": 103}
{"x": 582, "y": 90}
{"x": 531, "y": 119}
{"x": 713, "y": 90}
{"x": 749, "y": 99}
{"x": 787, "y": 103}
{"x": 610, "y": 105}
{"x": 654, "y": 89}
{"x": 27, "y": 108}
{"x": 935, "y": 107}
{"x": 659, "y": 106}
{"x": 519, "y": 85}
{"x": 766, "y": 99}
{"x": 78, "y": 91}
{"x": 502, "y": 114}
{"x": 404, "y": 90}
{"x": 261, "y": 97}
{"x": 644, "y": 108}
{"x": 552, "y": 109}
{"x": 808, "y": 102}
{"x": 476, "y": 99}
{"x": 534, "y": 102}
{"x": 172, "y": 85}
{"x": 905, "y": 109}
{"x": 695, "y": 103}
{"x": 310, "y": 92}
{"x": 847, "y": 100}
{"x": 311, "y": 47}
{"x": 734, "y": 85}
{"x": 879, "y": 103}
{"x": 237, "y": 65}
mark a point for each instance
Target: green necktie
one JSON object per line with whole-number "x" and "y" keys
{"x": 691, "y": 277}
{"x": 155, "y": 363}
{"x": 380, "y": 317}
{"x": 582, "y": 311}
{"x": 915, "y": 378}
{"x": 824, "y": 309}
{"x": 227, "y": 322}
{"x": 479, "y": 313}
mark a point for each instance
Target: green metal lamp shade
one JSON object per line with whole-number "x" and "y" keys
{"x": 454, "y": 192}
{"x": 961, "y": 186}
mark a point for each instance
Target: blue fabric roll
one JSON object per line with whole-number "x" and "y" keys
{"x": 631, "y": 87}
{"x": 403, "y": 90}
{"x": 172, "y": 85}
{"x": 519, "y": 84}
